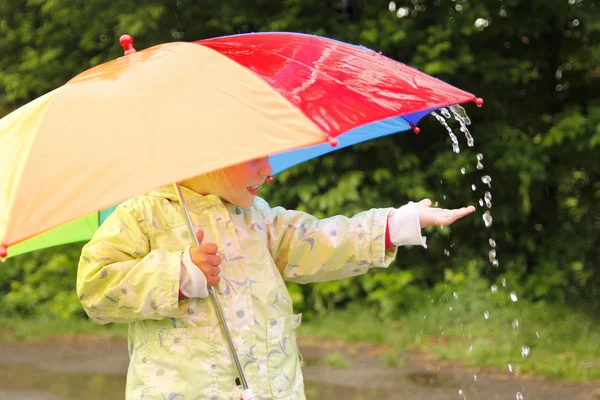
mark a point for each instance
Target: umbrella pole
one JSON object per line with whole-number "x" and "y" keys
{"x": 212, "y": 293}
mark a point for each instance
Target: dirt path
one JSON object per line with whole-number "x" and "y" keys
{"x": 93, "y": 369}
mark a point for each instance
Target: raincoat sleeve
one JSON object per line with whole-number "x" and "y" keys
{"x": 120, "y": 279}
{"x": 306, "y": 249}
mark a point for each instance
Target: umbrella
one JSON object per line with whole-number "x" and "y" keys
{"x": 177, "y": 110}
{"x": 291, "y": 96}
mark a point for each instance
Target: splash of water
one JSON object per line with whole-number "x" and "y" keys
{"x": 453, "y": 138}
{"x": 519, "y": 396}
{"x": 463, "y": 120}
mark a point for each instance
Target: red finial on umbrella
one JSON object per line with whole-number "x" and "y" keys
{"x": 415, "y": 128}
{"x": 333, "y": 141}
{"x": 3, "y": 251}
{"x": 478, "y": 101}
{"x": 270, "y": 179}
{"x": 126, "y": 43}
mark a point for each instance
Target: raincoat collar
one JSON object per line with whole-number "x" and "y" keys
{"x": 194, "y": 199}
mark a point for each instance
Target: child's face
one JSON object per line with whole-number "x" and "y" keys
{"x": 244, "y": 181}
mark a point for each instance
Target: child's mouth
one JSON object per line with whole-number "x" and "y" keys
{"x": 254, "y": 189}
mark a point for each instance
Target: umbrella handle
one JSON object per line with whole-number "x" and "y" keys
{"x": 215, "y": 300}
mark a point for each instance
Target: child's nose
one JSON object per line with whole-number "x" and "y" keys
{"x": 265, "y": 168}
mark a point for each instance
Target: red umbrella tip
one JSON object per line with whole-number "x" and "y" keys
{"x": 333, "y": 141}
{"x": 3, "y": 251}
{"x": 478, "y": 101}
{"x": 126, "y": 43}
{"x": 416, "y": 129}
{"x": 270, "y": 179}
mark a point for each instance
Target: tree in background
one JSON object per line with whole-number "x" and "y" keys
{"x": 535, "y": 64}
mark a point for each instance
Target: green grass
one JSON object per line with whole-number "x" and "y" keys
{"x": 562, "y": 343}
{"x": 41, "y": 329}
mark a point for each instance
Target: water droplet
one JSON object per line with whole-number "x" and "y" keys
{"x": 492, "y": 255}
{"x": 444, "y": 197}
{"x": 525, "y": 351}
{"x": 488, "y": 199}
{"x": 479, "y": 157}
{"x": 455, "y": 295}
{"x": 475, "y": 377}
{"x": 486, "y": 179}
{"x": 504, "y": 282}
{"x": 495, "y": 262}
{"x": 492, "y": 242}
{"x": 463, "y": 171}
{"x": 510, "y": 368}
{"x": 392, "y": 6}
{"x": 537, "y": 334}
{"x": 481, "y": 202}
{"x": 494, "y": 289}
{"x": 519, "y": 396}
{"x": 486, "y": 315}
{"x": 470, "y": 349}
{"x": 487, "y": 219}
{"x": 513, "y": 297}
{"x": 473, "y": 187}
{"x": 447, "y": 252}
{"x": 479, "y": 166}
{"x": 461, "y": 395}
{"x": 515, "y": 324}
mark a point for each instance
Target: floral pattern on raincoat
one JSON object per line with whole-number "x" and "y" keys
{"x": 129, "y": 272}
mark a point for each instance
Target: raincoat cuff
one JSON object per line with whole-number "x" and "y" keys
{"x": 192, "y": 282}
{"x": 404, "y": 226}
{"x": 381, "y": 254}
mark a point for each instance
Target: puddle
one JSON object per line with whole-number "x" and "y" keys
{"x": 23, "y": 381}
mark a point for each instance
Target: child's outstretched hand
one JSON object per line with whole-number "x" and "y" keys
{"x": 439, "y": 216}
{"x": 205, "y": 257}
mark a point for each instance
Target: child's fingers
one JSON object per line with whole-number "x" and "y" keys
{"x": 200, "y": 235}
{"x": 212, "y": 271}
{"x": 208, "y": 248}
{"x": 214, "y": 260}
{"x": 425, "y": 202}
{"x": 212, "y": 280}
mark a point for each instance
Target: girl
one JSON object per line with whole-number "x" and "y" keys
{"x": 139, "y": 268}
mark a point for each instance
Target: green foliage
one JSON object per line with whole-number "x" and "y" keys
{"x": 539, "y": 132}
{"x": 41, "y": 284}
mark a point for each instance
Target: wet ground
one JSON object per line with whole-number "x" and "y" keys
{"x": 90, "y": 369}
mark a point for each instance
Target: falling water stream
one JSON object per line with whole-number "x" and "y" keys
{"x": 447, "y": 117}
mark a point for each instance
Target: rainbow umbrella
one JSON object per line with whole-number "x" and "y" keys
{"x": 179, "y": 109}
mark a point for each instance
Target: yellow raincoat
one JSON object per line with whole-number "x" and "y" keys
{"x": 129, "y": 272}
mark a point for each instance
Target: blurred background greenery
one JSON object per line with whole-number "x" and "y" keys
{"x": 536, "y": 64}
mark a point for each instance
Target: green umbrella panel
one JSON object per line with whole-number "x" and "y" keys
{"x": 80, "y": 230}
